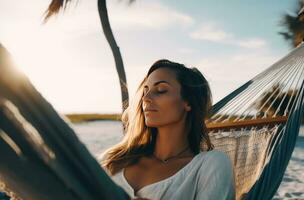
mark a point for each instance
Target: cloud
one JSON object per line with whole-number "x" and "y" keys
{"x": 83, "y": 19}
{"x": 151, "y": 15}
{"x": 252, "y": 43}
{"x": 227, "y": 72}
{"x": 237, "y": 64}
{"x": 211, "y": 32}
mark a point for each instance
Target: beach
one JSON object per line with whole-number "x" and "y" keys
{"x": 292, "y": 186}
{"x": 100, "y": 135}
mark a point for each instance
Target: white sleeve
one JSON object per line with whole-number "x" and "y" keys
{"x": 216, "y": 178}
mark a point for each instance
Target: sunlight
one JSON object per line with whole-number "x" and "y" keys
{"x": 61, "y": 70}
{"x": 33, "y": 50}
{"x": 42, "y": 54}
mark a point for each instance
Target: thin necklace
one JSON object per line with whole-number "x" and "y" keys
{"x": 165, "y": 161}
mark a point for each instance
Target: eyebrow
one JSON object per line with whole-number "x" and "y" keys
{"x": 158, "y": 82}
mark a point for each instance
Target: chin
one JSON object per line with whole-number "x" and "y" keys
{"x": 151, "y": 124}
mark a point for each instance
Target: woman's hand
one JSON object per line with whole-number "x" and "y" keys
{"x": 140, "y": 199}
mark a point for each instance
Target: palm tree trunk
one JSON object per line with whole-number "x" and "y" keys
{"x": 103, "y": 15}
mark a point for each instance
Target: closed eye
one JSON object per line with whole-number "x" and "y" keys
{"x": 158, "y": 92}
{"x": 162, "y": 92}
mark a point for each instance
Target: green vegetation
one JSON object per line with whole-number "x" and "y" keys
{"x": 293, "y": 23}
{"x": 76, "y": 118}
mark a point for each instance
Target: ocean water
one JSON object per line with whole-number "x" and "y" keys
{"x": 100, "y": 135}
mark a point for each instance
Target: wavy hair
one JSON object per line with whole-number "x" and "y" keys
{"x": 139, "y": 140}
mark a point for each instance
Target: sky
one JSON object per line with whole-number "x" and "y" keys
{"x": 69, "y": 61}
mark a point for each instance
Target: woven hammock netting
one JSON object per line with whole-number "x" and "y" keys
{"x": 257, "y": 126}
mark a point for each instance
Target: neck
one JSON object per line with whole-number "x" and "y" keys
{"x": 171, "y": 140}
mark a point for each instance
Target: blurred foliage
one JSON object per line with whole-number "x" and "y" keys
{"x": 294, "y": 25}
{"x": 76, "y": 118}
{"x": 276, "y": 100}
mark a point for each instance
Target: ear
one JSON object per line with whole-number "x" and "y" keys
{"x": 187, "y": 106}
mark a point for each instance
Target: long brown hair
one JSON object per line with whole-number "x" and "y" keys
{"x": 139, "y": 140}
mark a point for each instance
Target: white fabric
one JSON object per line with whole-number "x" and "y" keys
{"x": 209, "y": 175}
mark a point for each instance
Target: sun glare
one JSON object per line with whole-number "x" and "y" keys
{"x": 33, "y": 50}
{"x": 42, "y": 55}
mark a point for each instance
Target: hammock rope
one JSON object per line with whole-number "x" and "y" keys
{"x": 257, "y": 125}
{"x": 282, "y": 72}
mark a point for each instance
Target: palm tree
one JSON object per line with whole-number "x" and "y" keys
{"x": 54, "y": 8}
{"x": 294, "y": 25}
{"x": 276, "y": 101}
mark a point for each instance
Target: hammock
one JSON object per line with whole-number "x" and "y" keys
{"x": 256, "y": 125}
{"x": 41, "y": 157}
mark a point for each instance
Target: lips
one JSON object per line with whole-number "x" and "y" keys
{"x": 149, "y": 110}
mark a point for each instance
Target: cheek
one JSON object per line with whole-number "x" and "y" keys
{"x": 170, "y": 109}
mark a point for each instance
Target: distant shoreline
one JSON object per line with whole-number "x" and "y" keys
{"x": 77, "y": 118}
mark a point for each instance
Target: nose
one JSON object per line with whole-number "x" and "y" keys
{"x": 147, "y": 97}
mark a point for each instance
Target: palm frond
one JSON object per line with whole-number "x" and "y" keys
{"x": 294, "y": 25}
{"x": 131, "y": 1}
{"x": 55, "y": 7}
{"x": 286, "y": 35}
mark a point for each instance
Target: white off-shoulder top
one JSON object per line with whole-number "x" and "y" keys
{"x": 209, "y": 175}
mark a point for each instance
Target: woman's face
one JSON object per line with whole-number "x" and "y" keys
{"x": 162, "y": 103}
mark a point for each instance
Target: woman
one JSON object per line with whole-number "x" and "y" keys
{"x": 166, "y": 152}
